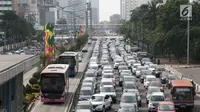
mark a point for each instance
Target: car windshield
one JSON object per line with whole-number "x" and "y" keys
{"x": 151, "y": 90}
{"x": 107, "y": 89}
{"x": 86, "y": 92}
{"x": 183, "y": 94}
{"x": 166, "y": 107}
{"x": 89, "y": 74}
{"x": 157, "y": 98}
{"x": 97, "y": 98}
{"x": 106, "y": 83}
{"x": 128, "y": 99}
{"x": 129, "y": 79}
{"x": 129, "y": 86}
{"x": 157, "y": 84}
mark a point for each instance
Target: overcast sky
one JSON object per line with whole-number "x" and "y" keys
{"x": 107, "y": 8}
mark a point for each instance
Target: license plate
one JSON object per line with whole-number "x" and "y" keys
{"x": 182, "y": 106}
{"x": 51, "y": 100}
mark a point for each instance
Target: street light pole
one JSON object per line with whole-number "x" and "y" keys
{"x": 188, "y": 38}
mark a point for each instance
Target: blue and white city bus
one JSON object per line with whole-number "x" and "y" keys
{"x": 70, "y": 58}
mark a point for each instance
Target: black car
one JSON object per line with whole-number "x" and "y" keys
{"x": 163, "y": 77}
{"x": 157, "y": 72}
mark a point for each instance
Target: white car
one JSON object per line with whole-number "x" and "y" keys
{"x": 106, "y": 81}
{"x": 138, "y": 70}
{"x": 148, "y": 79}
{"x": 109, "y": 90}
{"x": 101, "y": 102}
{"x": 109, "y": 76}
{"x": 126, "y": 71}
{"x": 90, "y": 80}
{"x": 155, "y": 99}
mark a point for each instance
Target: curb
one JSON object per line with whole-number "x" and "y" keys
{"x": 192, "y": 66}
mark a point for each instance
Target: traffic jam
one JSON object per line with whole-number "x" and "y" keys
{"x": 120, "y": 79}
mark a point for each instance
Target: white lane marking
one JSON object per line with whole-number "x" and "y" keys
{"x": 33, "y": 109}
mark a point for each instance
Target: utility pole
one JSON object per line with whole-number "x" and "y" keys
{"x": 86, "y": 12}
{"x": 90, "y": 20}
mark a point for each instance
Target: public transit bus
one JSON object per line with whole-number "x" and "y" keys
{"x": 71, "y": 58}
{"x": 54, "y": 83}
{"x": 183, "y": 93}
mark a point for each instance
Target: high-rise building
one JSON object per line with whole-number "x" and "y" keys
{"x": 95, "y": 11}
{"x": 75, "y": 11}
{"x": 9, "y": 5}
{"x": 128, "y": 5}
{"x": 48, "y": 11}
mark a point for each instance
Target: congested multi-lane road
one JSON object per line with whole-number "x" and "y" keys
{"x": 40, "y": 107}
{"x": 143, "y": 93}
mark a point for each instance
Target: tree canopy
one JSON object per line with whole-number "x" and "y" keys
{"x": 16, "y": 29}
{"x": 162, "y": 28}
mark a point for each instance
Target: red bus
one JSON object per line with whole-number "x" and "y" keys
{"x": 54, "y": 83}
{"x": 183, "y": 93}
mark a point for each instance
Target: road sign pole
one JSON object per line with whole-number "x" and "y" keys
{"x": 188, "y": 41}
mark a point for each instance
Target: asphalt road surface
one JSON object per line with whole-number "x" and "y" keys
{"x": 41, "y": 107}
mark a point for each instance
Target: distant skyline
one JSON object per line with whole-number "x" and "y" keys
{"x": 108, "y": 8}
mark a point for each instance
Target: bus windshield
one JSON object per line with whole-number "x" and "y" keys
{"x": 183, "y": 94}
{"x": 52, "y": 83}
{"x": 68, "y": 60}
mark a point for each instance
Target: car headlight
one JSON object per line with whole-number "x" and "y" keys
{"x": 99, "y": 106}
{"x": 151, "y": 105}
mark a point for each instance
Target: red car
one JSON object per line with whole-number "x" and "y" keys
{"x": 166, "y": 106}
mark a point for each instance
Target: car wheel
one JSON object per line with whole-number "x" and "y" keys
{"x": 103, "y": 110}
{"x": 110, "y": 107}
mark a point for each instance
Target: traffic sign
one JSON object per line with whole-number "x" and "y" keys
{"x": 186, "y": 12}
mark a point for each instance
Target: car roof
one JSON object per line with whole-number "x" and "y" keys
{"x": 129, "y": 82}
{"x": 83, "y": 110}
{"x": 108, "y": 86}
{"x": 86, "y": 88}
{"x": 129, "y": 94}
{"x": 108, "y": 74}
{"x": 84, "y": 102}
{"x": 87, "y": 83}
{"x": 150, "y": 76}
{"x": 106, "y": 80}
{"x": 158, "y": 93}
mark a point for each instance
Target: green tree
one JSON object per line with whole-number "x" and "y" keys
{"x": 16, "y": 29}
